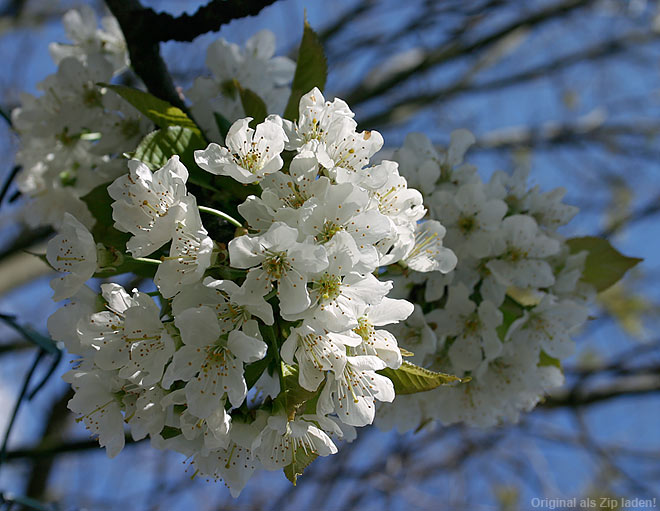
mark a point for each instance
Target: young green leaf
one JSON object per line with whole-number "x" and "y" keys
{"x": 100, "y": 205}
{"x": 292, "y": 396}
{"x": 410, "y": 379}
{"x": 604, "y": 265}
{"x": 511, "y": 310}
{"x": 222, "y": 123}
{"x": 158, "y": 146}
{"x": 160, "y": 112}
{"x": 311, "y": 70}
{"x": 300, "y": 461}
{"x": 253, "y": 105}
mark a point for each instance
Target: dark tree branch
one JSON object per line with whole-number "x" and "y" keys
{"x": 208, "y": 18}
{"x": 49, "y": 451}
{"x": 144, "y": 30}
{"x": 412, "y": 104}
{"x": 456, "y": 49}
{"x": 629, "y": 386}
{"x": 41, "y": 469}
{"x": 144, "y": 49}
{"x": 5, "y": 115}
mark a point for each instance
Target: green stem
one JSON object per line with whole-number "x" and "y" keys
{"x": 146, "y": 260}
{"x": 225, "y": 216}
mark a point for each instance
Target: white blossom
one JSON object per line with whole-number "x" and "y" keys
{"x": 277, "y": 256}
{"x": 72, "y": 251}
{"x": 250, "y": 153}
{"x": 149, "y": 204}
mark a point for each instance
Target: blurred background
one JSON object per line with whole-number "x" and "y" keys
{"x": 568, "y": 88}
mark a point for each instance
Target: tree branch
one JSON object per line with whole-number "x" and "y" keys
{"x": 50, "y": 451}
{"x": 629, "y": 386}
{"x": 208, "y": 18}
{"x": 144, "y": 30}
{"x": 411, "y": 104}
{"x": 456, "y": 49}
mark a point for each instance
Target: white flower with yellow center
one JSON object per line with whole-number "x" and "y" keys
{"x": 190, "y": 253}
{"x": 212, "y": 363}
{"x": 148, "y": 204}
{"x": 317, "y": 351}
{"x": 382, "y": 343}
{"x": 276, "y": 256}
{"x": 281, "y": 438}
{"x": 72, "y": 251}
{"x": 520, "y": 250}
{"x": 250, "y": 154}
{"x": 351, "y": 393}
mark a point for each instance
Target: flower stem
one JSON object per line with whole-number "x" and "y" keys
{"x": 225, "y": 216}
{"x": 146, "y": 260}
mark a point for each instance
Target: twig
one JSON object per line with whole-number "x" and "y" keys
{"x": 21, "y": 396}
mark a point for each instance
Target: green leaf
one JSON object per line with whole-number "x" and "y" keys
{"x": 311, "y": 70}
{"x": 292, "y": 396}
{"x": 222, "y": 123}
{"x": 547, "y": 360}
{"x": 604, "y": 265}
{"x": 254, "y": 370}
{"x": 158, "y": 146}
{"x": 410, "y": 379}
{"x": 44, "y": 342}
{"x": 100, "y": 205}
{"x": 253, "y": 105}
{"x": 511, "y": 310}
{"x": 161, "y": 112}
{"x": 300, "y": 461}
{"x": 170, "y": 432}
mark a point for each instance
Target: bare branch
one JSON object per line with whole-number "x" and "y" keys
{"x": 634, "y": 385}
{"x": 457, "y": 49}
{"x": 412, "y": 104}
{"x": 50, "y": 451}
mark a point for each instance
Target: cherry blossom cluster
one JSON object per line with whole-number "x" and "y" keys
{"x": 505, "y": 316}
{"x": 71, "y": 135}
{"x": 263, "y": 340}
{"x": 254, "y": 67}
{"x": 183, "y": 366}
